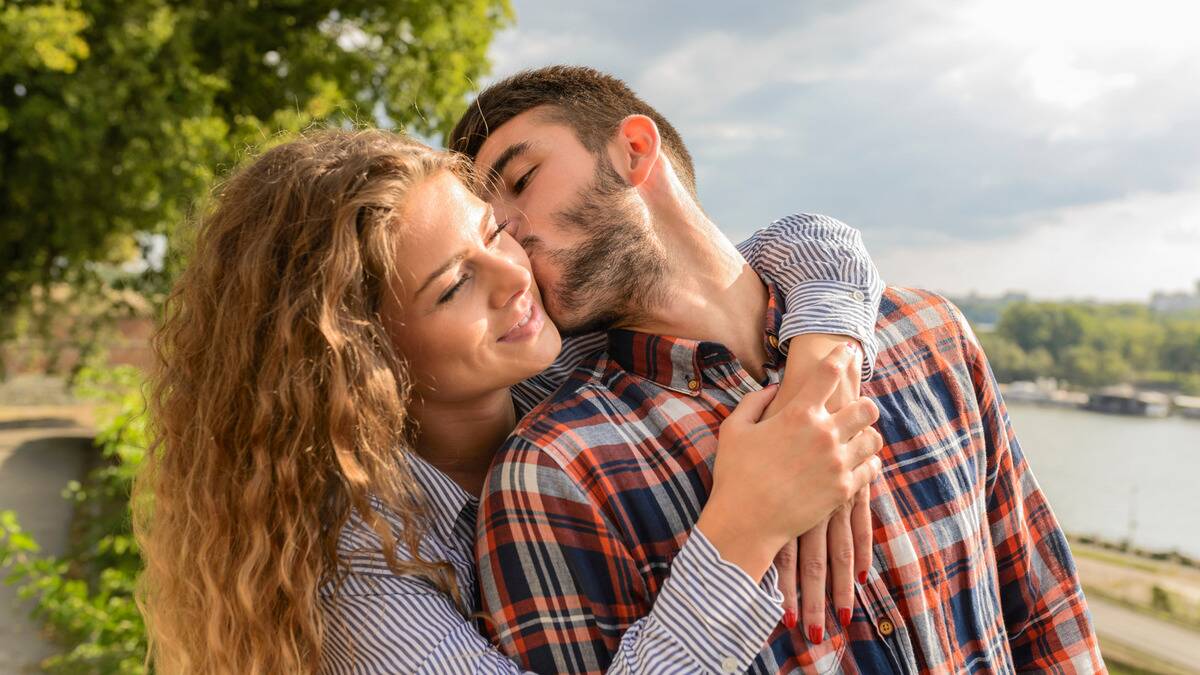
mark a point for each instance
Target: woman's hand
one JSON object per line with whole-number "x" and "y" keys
{"x": 776, "y": 478}
{"x": 838, "y": 549}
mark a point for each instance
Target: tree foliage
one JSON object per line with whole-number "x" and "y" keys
{"x": 1093, "y": 345}
{"x": 115, "y": 115}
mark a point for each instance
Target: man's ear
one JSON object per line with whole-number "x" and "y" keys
{"x": 638, "y": 145}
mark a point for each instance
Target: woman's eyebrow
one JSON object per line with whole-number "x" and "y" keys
{"x": 487, "y": 215}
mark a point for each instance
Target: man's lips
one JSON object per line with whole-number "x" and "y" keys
{"x": 527, "y": 325}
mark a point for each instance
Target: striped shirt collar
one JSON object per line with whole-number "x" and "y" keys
{"x": 678, "y": 363}
{"x": 452, "y": 508}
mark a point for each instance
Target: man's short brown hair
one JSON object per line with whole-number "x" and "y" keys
{"x": 590, "y": 102}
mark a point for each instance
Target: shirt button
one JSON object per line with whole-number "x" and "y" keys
{"x": 773, "y": 340}
{"x": 858, "y": 296}
{"x": 729, "y": 665}
{"x": 886, "y": 628}
{"x": 693, "y": 384}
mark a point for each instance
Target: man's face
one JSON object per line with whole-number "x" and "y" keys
{"x": 585, "y": 229}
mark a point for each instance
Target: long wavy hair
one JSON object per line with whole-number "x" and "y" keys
{"x": 279, "y": 406}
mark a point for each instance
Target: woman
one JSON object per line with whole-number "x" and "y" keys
{"x": 292, "y": 471}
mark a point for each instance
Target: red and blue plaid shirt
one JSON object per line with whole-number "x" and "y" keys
{"x": 596, "y": 491}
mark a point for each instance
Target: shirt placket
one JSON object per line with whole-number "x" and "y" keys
{"x": 884, "y": 616}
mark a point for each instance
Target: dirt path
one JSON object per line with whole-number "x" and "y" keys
{"x": 1124, "y": 630}
{"x": 41, "y": 449}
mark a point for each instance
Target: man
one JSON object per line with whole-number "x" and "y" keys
{"x": 595, "y": 491}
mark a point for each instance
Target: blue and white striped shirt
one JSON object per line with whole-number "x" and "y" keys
{"x": 709, "y": 616}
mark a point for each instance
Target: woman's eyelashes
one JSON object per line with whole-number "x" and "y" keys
{"x": 453, "y": 290}
{"x": 500, "y": 227}
{"x": 450, "y": 292}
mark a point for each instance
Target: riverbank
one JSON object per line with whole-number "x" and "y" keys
{"x": 1146, "y": 607}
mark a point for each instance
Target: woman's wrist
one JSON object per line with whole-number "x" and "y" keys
{"x": 738, "y": 543}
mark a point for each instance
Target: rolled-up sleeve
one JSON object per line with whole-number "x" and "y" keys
{"x": 823, "y": 269}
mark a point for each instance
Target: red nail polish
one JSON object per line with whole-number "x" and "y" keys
{"x": 862, "y": 577}
{"x": 844, "y": 616}
{"x": 815, "y": 634}
{"x": 789, "y": 618}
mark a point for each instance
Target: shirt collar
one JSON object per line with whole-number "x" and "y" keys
{"x": 452, "y": 508}
{"x": 678, "y": 363}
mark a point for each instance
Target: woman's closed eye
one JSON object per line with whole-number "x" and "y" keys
{"x": 495, "y": 236}
{"x": 453, "y": 290}
{"x": 449, "y": 294}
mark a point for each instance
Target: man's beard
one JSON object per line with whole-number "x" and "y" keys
{"x": 618, "y": 270}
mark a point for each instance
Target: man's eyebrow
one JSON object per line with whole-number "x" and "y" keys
{"x": 487, "y": 215}
{"x": 510, "y": 153}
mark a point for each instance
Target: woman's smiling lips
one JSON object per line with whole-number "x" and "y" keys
{"x": 529, "y": 325}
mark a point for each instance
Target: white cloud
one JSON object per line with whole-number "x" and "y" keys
{"x": 1119, "y": 249}
{"x": 513, "y": 50}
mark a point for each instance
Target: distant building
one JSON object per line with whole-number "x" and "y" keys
{"x": 1171, "y": 303}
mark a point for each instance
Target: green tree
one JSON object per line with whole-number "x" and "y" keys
{"x": 1011, "y": 363}
{"x": 1050, "y": 326}
{"x": 115, "y": 115}
{"x": 1085, "y": 365}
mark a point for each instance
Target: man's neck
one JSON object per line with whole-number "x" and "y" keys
{"x": 711, "y": 292}
{"x": 460, "y": 438}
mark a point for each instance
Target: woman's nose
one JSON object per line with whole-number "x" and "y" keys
{"x": 512, "y": 281}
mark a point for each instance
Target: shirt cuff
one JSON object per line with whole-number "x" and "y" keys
{"x": 714, "y": 610}
{"x": 833, "y": 307}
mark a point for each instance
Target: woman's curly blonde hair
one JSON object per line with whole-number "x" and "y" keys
{"x": 279, "y": 406}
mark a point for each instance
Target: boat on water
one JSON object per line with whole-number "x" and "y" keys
{"x": 1125, "y": 400}
{"x": 1188, "y": 406}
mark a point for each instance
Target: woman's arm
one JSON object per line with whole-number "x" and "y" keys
{"x": 709, "y": 617}
{"x": 818, "y": 263}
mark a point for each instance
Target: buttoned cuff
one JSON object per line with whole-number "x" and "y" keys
{"x": 833, "y": 307}
{"x": 714, "y": 610}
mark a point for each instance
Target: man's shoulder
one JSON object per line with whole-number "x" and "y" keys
{"x": 908, "y": 314}
{"x": 914, "y": 323}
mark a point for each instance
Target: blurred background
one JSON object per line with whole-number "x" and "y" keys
{"x": 1037, "y": 162}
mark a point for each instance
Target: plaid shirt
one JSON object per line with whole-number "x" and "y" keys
{"x": 596, "y": 491}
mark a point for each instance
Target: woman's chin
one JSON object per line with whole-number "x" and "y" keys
{"x": 541, "y": 353}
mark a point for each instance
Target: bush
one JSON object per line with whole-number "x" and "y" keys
{"x": 86, "y": 598}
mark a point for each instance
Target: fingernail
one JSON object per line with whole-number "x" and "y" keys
{"x": 844, "y": 616}
{"x": 815, "y": 634}
{"x": 789, "y": 618}
{"x": 862, "y": 577}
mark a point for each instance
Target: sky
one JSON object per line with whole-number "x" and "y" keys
{"x": 1050, "y": 147}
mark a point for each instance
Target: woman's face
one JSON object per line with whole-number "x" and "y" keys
{"x": 469, "y": 320}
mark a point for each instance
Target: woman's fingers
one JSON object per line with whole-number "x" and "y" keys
{"x": 867, "y": 443}
{"x": 860, "y": 522}
{"x": 841, "y": 564}
{"x": 864, "y": 474}
{"x": 854, "y": 417}
{"x": 785, "y": 565}
{"x": 813, "y": 559}
{"x": 750, "y": 409}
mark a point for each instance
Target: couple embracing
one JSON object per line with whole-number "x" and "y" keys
{"x": 522, "y": 407}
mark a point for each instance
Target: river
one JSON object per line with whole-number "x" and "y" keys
{"x": 1119, "y": 478}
